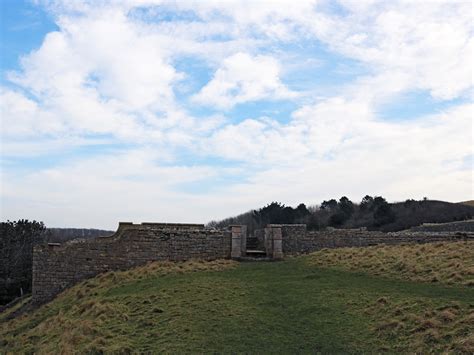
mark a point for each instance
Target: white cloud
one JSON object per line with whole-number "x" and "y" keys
{"x": 399, "y": 161}
{"x": 112, "y": 71}
{"x": 429, "y": 43}
{"x": 102, "y": 190}
{"x": 288, "y": 163}
{"x": 100, "y": 74}
{"x": 21, "y": 116}
{"x": 243, "y": 78}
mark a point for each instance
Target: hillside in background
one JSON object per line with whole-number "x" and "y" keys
{"x": 413, "y": 213}
{"x": 468, "y": 203}
{"x": 373, "y": 213}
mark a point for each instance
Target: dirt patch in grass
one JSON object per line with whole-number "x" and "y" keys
{"x": 450, "y": 263}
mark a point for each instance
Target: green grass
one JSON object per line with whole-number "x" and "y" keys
{"x": 451, "y": 263}
{"x": 281, "y": 307}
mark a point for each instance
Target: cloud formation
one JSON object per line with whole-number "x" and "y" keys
{"x": 189, "y": 111}
{"x": 243, "y": 78}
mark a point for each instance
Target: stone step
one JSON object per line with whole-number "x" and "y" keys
{"x": 250, "y": 258}
{"x": 252, "y": 243}
{"x": 256, "y": 253}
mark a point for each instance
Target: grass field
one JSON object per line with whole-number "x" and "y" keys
{"x": 449, "y": 263}
{"x": 299, "y": 305}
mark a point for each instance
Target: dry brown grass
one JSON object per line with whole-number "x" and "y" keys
{"x": 419, "y": 326}
{"x": 153, "y": 269}
{"x": 83, "y": 312}
{"x": 155, "y": 309}
{"x": 450, "y": 263}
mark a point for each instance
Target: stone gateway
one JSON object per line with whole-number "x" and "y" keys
{"x": 59, "y": 266}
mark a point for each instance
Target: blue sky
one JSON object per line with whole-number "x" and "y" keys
{"x": 187, "y": 112}
{"x": 23, "y": 27}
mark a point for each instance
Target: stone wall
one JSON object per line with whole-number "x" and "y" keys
{"x": 58, "y": 266}
{"x": 297, "y": 240}
{"x": 239, "y": 241}
{"x": 293, "y": 235}
{"x": 274, "y": 241}
{"x": 461, "y": 226}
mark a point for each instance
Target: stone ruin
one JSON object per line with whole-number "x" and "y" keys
{"x": 59, "y": 266}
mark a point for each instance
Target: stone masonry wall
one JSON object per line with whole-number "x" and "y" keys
{"x": 293, "y": 235}
{"x": 297, "y": 240}
{"x": 461, "y": 226}
{"x": 56, "y": 267}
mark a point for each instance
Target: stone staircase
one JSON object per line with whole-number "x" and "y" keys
{"x": 253, "y": 253}
{"x": 252, "y": 243}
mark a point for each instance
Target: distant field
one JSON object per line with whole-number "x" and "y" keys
{"x": 316, "y": 303}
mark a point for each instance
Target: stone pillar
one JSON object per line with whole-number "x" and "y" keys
{"x": 239, "y": 241}
{"x": 274, "y": 241}
{"x": 277, "y": 243}
{"x": 268, "y": 241}
{"x": 243, "y": 240}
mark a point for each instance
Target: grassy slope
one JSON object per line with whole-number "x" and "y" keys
{"x": 449, "y": 263}
{"x": 420, "y": 324}
{"x": 285, "y": 307}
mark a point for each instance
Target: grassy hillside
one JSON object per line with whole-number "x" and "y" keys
{"x": 449, "y": 263}
{"x": 295, "y": 306}
{"x": 413, "y": 213}
{"x": 409, "y": 214}
{"x": 468, "y": 203}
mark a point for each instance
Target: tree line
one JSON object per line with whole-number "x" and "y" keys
{"x": 372, "y": 212}
{"x": 17, "y": 239}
